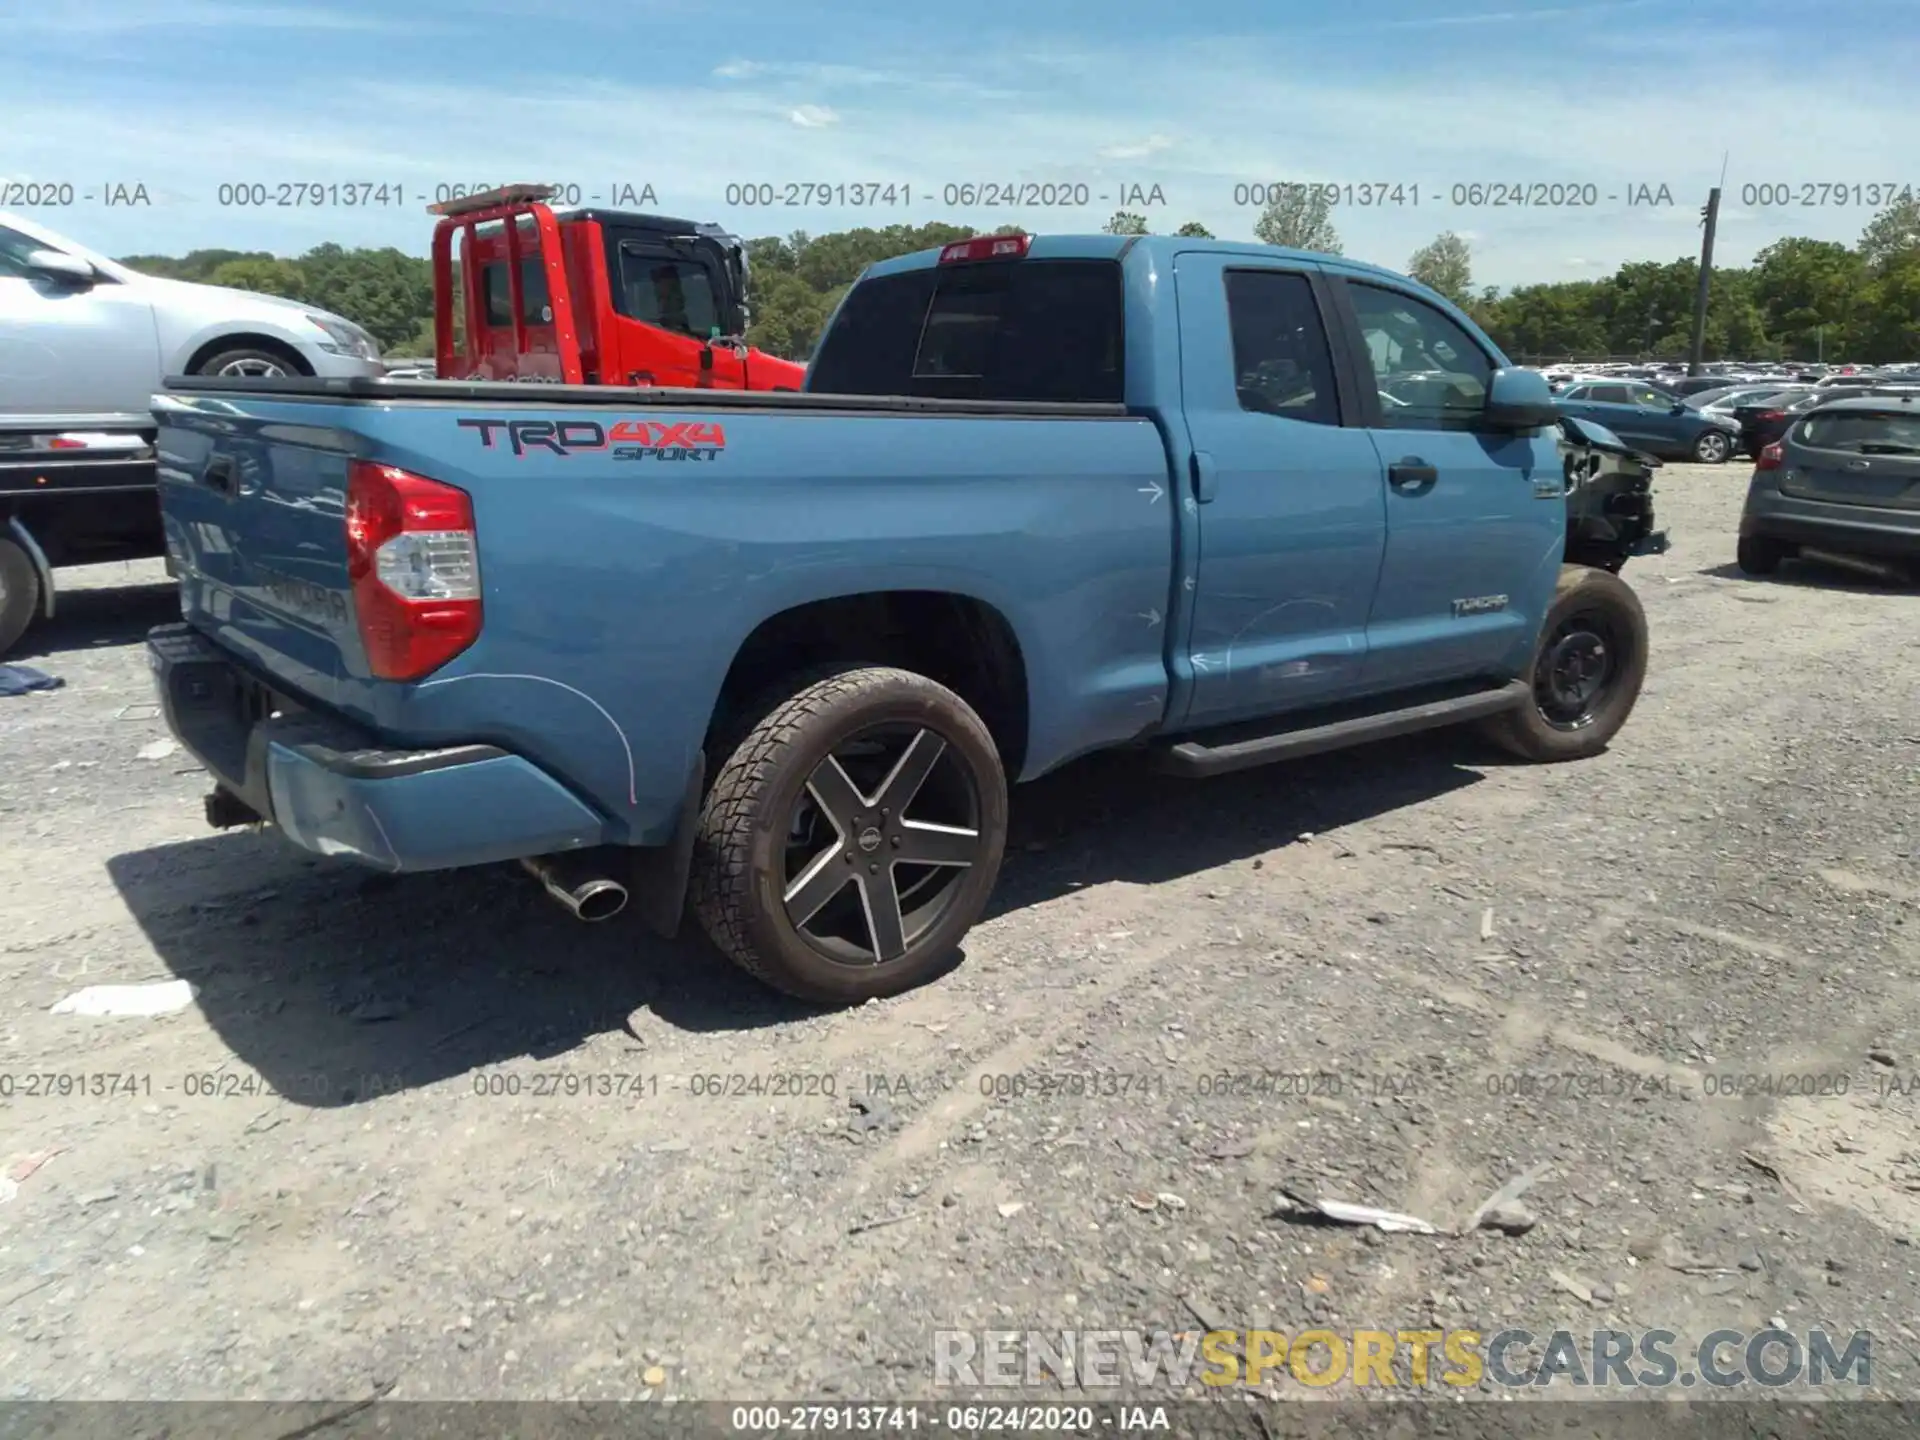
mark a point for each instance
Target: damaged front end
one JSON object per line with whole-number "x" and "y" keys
{"x": 1609, "y": 497}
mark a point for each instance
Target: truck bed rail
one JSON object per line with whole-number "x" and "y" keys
{"x": 346, "y": 389}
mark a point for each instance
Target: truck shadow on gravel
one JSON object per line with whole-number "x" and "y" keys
{"x": 99, "y": 617}
{"x": 338, "y": 986}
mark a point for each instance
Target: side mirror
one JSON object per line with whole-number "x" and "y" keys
{"x": 67, "y": 269}
{"x": 1679, "y": 408}
{"x": 1519, "y": 400}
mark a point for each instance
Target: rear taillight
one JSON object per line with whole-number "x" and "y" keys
{"x": 987, "y": 247}
{"x": 1773, "y": 415}
{"x": 1770, "y": 458}
{"x": 415, "y": 567}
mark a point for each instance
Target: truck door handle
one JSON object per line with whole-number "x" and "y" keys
{"x": 220, "y": 474}
{"x": 1412, "y": 474}
{"x": 1206, "y": 477}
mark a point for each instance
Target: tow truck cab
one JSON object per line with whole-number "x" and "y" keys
{"x": 591, "y": 296}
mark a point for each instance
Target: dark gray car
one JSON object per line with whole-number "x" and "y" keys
{"x": 1844, "y": 478}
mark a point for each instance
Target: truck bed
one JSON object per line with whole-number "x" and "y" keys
{"x": 622, "y": 576}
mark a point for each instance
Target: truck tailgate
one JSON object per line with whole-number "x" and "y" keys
{"x": 254, "y": 498}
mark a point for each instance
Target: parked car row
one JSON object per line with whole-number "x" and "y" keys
{"x": 1652, "y": 419}
{"x": 1672, "y": 377}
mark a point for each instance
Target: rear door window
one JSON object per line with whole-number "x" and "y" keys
{"x": 1281, "y": 362}
{"x": 1039, "y": 330}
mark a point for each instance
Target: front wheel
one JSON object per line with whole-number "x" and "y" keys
{"x": 853, "y": 837}
{"x": 1712, "y": 448}
{"x": 1587, "y": 671}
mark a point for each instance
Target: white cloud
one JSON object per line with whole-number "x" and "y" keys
{"x": 813, "y": 117}
{"x": 1139, "y": 150}
{"x": 737, "y": 70}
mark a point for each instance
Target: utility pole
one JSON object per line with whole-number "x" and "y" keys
{"x": 1709, "y": 218}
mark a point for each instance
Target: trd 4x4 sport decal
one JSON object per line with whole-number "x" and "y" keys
{"x": 626, "y": 439}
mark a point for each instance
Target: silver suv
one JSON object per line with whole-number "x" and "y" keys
{"x": 83, "y": 336}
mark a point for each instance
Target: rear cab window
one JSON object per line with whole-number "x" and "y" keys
{"x": 1012, "y": 330}
{"x": 494, "y": 283}
{"x": 496, "y": 294}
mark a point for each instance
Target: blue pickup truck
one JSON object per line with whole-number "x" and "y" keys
{"x": 775, "y": 658}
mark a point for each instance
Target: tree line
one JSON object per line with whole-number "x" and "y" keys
{"x": 1800, "y": 299}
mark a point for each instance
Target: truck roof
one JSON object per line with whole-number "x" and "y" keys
{"x": 1113, "y": 247}
{"x": 668, "y": 224}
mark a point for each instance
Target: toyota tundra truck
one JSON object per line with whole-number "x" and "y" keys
{"x": 775, "y": 658}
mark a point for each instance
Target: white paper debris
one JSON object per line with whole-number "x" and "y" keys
{"x": 163, "y": 997}
{"x": 1388, "y": 1220}
{"x": 158, "y": 750}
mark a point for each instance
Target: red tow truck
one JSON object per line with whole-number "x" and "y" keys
{"x": 592, "y": 297}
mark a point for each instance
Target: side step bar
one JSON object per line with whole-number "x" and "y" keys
{"x": 1195, "y": 760}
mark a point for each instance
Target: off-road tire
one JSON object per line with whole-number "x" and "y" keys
{"x": 19, "y": 594}
{"x": 738, "y": 863}
{"x": 1527, "y": 731}
{"x": 1756, "y": 555}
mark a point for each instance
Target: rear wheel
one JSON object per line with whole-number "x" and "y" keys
{"x": 1712, "y": 448}
{"x": 853, "y": 837}
{"x": 1587, "y": 671}
{"x": 1758, "y": 556}
{"x": 19, "y": 594}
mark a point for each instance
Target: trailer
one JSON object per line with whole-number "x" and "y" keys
{"x": 74, "y": 490}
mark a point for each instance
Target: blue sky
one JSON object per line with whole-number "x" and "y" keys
{"x": 185, "y": 95}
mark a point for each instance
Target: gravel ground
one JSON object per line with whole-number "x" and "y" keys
{"x": 432, "y": 1136}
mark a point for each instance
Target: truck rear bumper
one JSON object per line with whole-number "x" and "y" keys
{"x": 334, "y": 789}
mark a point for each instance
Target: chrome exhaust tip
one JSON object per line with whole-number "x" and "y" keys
{"x": 588, "y": 895}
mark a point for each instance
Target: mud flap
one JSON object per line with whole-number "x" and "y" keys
{"x": 659, "y": 878}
